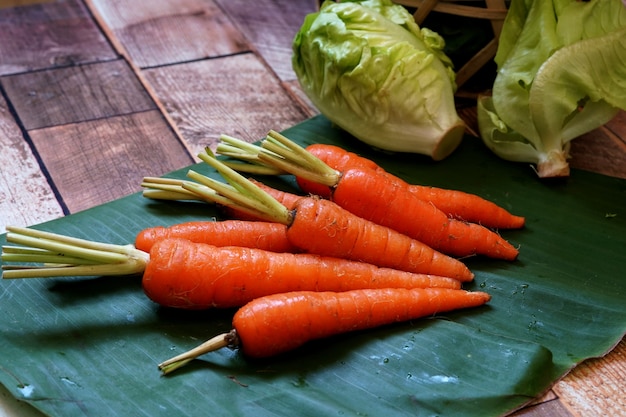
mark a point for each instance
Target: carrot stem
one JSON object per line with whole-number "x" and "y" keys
{"x": 218, "y": 342}
{"x": 245, "y": 151}
{"x": 66, "y": 256}
{"x": 180, "y": 190}
{"x": 279, "y": 151}
{"x": 277, "y": 155}
{"x": 240, "y": 193}
{"x": 19, "y": 254}
{"x": 166, "y": 189}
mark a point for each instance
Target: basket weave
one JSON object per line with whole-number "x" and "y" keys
{"x": 494, "y": 10}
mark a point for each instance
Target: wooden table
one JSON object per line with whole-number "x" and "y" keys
{"x": 95, "y": 94}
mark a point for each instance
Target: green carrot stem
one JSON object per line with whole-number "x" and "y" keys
{"x": 48, "y": 258}
{"x": 218, "y": 342}
{"x": 66, "y": 256}
{"x": 101, "y": 256}
{"x": 126, "y": 268}
{"x": 166, "y": 189}
{"x": 253, "y": 168}
{"x": 287, "y": 155}
{"x": 247, "y": 152}
{"x": 83, "y": 243}
{"x": 241, "y": 193}
{"x": 169, "y": 195}
{"x": 175, "y": 189}
{"x": 224, "y": 192}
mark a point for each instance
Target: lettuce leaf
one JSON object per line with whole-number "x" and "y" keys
{"x": 560, "y": 74}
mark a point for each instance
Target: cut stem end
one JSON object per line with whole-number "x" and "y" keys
{"x": 223, "y": 340}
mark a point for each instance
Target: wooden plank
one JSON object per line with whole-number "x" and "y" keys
{"x": 206, "y": 99}
{"x": 74, "y": 94}
{"x": 270, "y": 26}
{"x": 26, "y": 198}
{"x": 162, "y": 32}
{"x": 95, "y": 162}
{"x": 596, "y": 387}
{"x": 602, "y": 150}
{"x": 294, "y": 89}
{"x": 49, "y": 35}
{"x": 553, "y": 408}
{"x": 617, "y": 127}
{"x": 5, "y": 4}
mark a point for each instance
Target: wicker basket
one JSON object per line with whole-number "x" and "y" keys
{"x": 494, "y": 10}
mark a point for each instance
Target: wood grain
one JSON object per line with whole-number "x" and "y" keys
{"x": 236, "y": 95}
{"x": 74, "y": 135}
{"x": 91, "y": 163}
{"x": 26, "y": 198}
{"x": 74, "y": 94}
{"x": 596, "y": 386}
{"x": 162, "y": 32}
{"x": 270, "y": 26}
{"x": 48, "y": 35}
{"x": 552, "y": 408}
{"x": 296, "y": 93}
{"x": 602, "y": 150}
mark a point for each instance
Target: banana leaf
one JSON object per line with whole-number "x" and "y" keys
{"x": 89, "y": 346}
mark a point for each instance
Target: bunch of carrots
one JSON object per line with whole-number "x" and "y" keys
{"x": 297, "y": 267}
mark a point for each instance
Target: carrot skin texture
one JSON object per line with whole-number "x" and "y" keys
{"x": 285, "y": 198}
{"x": 186, "y": 275}
{"x": 456, "y": 204}
{"x": 336, "y": 158}
{"x": 250, "y": 234}
{"x": 468, "y": 207}
{"x": 278, "y": 323}
{"x": 322, "y": 227}
{"x": 359, "y": 192}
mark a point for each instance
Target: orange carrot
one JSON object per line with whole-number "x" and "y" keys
{"x": 384, "y": 199}
{"x": 182, "y": 274}
{"x": 336, "y": 158}
{"x": 387, "y": 205}
{"x": 319, "y": 226}
{"x": 454, "y": 203}
{"x": 322, "y": 227}
{"x": 278, "y": 323}
{"x": 250, "y": 234}
{"x": 199, "y": 276}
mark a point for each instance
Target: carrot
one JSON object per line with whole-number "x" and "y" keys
{"x": 278, "y": 323}
{"x": 200, "y": 276}
{"x": 454, "y": 203}
{"x": 181, "y": 274}
{"x": 336, "y": 158}
{"x": 384, "y": 199}
{"x": 250, "y": 234}
{"x": 388, "y": 205}
{"x": 322, "y": 227}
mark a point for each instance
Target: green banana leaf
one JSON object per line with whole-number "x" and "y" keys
{"x": 90, "y": 346}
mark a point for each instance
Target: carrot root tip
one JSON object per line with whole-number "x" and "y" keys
{"x": 229, "y": 339}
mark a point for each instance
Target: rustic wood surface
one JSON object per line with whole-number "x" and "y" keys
{"x": 94, "y": 94}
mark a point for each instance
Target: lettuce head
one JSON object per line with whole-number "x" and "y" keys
{"x": 369, "y": 68}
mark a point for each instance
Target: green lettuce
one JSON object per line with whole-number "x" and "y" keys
{"x": 561, "y": 73}
{"x": 369, "y": 68}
